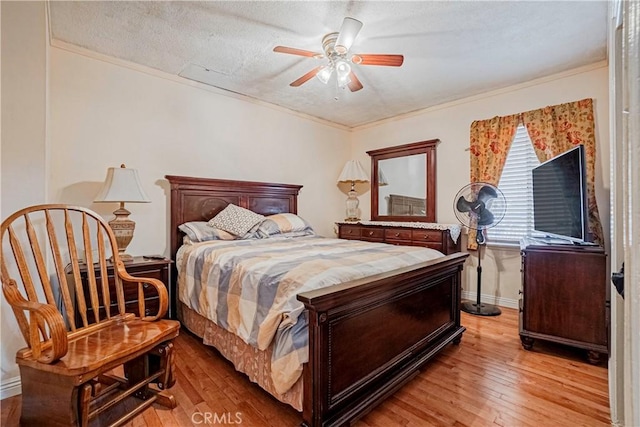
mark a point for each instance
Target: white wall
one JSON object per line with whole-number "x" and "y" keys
{"x": 24, "y": 47}
{"x": 102, "y": 115}
{"x": 23, "y": 105}
{"x": 451, "y": 122}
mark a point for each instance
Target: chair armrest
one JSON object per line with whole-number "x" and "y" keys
{"x": 42, "y": 317}
{"x": 163, "y": 296}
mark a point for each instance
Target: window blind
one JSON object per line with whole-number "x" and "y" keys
{"x": 515, "y": 184}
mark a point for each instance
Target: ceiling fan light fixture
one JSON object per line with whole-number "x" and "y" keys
{"x": 343, "y": 81}
{"x": 342, "y": 69}
{"x": 325, "y": 74}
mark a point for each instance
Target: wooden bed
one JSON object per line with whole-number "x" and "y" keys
{"x": 406, "y": 205}
{"x": 367, "y": 337}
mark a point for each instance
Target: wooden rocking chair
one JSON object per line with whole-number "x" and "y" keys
{"x": 71, "y": 371}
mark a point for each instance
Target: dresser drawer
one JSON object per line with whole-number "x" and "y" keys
{"x": 138, "y": 267}
{"x": 427, "y": 236}
{"x": 397, "y": 234}
{"x": 349, "y": 232}
{"x": 372, "y": 234}
{"x": 130, "y": 289}
{"x": 400, "y": 235}
{"x": 431, "y": 245}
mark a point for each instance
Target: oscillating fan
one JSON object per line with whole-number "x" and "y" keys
{"x": 479, "y": 206}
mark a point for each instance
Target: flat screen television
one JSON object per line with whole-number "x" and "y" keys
{"x": 560, "y": 197}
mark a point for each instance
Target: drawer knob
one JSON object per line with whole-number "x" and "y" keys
{"x": 370, "y": 233}
{"x": 397, "y": 234}
{"x": 350, "y": 231}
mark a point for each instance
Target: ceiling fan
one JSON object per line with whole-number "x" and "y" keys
{"x": 335, "y": 48}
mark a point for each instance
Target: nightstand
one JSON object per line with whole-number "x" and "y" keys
{"x": 139, "y": 267}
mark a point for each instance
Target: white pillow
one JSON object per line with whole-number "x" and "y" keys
{"x": 201, "y": 231}
{"x": 284, "y": 223}
{"x": 236, "y": 220}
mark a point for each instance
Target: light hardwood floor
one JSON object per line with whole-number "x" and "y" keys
{"x": 488, "y": 380}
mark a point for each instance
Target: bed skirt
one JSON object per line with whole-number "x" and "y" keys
{"x": 254, "y": 363}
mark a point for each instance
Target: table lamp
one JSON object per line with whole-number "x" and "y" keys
{"x": 353, "y": 172}
{"x": 122, "y": 185}
{"x": 382, "y": 179}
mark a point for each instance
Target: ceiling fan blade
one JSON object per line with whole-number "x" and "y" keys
{"x": 378, "y": 59}
{"x": 299, "y": 52}
{"x": 354, "y": 84}
{"x": 311, "y": 74}
{"x": 348, "y": 32}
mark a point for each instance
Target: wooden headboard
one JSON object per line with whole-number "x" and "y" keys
{"x": 406, "y": 206}
{"x": 200, "y": 199}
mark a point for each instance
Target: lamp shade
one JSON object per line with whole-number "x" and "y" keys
{"x": 382, "y": 180}
{"x": 122, "y": 185}
{"x": 353, "y": 172}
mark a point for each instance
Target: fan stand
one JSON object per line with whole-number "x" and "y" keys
{"x": 478, "y": 308}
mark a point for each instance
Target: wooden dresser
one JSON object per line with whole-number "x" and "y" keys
{"x": 435, "y": 236}
{"x": 565, "y": 297}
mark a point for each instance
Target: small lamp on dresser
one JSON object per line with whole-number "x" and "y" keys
{"x": 353, "y": 172}
{"x": 382, "y": 180}
{"x": 122, "y": 185}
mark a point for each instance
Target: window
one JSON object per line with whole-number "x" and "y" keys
{"x": 515, "y": 184}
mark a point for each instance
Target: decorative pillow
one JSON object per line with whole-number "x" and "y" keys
{"x": 284, "y": 223}
{"x": 236, "y": 220}
{"x": 200, "y": 231}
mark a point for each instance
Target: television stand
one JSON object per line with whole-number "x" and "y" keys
{"x": 565, "y": 296}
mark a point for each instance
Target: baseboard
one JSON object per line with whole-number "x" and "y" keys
{"x": 491, "y": 299}
{"x": 10, "y": 387}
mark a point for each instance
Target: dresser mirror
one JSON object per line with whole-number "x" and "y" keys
{"x": 404, "y": 182}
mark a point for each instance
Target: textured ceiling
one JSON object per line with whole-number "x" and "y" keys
{"x": 452, "y": 49}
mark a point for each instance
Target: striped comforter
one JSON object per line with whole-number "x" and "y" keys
{"x": 249, "y": 287}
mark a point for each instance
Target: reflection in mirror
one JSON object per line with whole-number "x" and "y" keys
{"x": 402, "y": 182}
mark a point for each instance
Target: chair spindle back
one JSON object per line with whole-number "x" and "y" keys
{"x": 40, "y": 246}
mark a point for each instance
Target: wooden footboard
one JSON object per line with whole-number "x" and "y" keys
{"x": 369, "y": 337}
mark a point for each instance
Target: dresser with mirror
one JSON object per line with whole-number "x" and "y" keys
{"x": 403, "y": 200}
